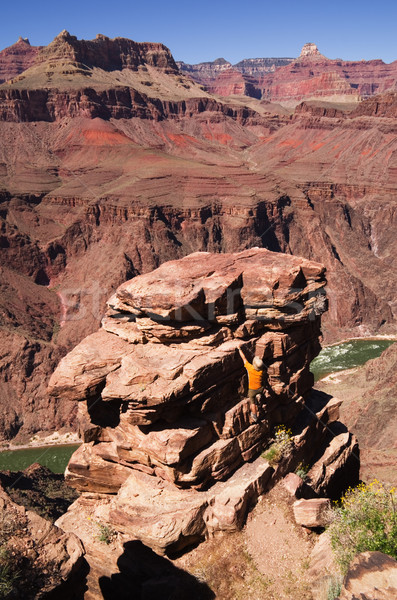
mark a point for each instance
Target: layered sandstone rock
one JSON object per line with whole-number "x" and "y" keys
{"x": 372, "y": 576}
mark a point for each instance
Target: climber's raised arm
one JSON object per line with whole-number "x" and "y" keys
{"x": 244, "y": 358}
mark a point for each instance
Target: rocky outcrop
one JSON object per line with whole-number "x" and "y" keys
{"x": 310, "y": 50}
{"x": 372, "y": 576}
{"x": 45, "y": 561}
{"x": 166, "y": 359}
{"x": 169, "y": 436}
{"x": 105, "y": 53}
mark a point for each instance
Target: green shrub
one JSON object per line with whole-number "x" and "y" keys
{"x": 281, "y": 446}
{"x": 334, "y": 588}
{"x": 272, "y": 455}
{"x": 106, "y": 534}
{"x": 366, "y": 520}
{"x": 302, "y": 470}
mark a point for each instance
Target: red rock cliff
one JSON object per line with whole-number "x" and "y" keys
{"x": 17, "y": 58}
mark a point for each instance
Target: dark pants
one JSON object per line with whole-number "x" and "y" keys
{"x": 253, "y": 393}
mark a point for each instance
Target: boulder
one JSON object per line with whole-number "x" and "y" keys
{"x": 293, "y": 484}
{"x": 312, "y": 512}
{"x": 372, "y": 576}
{"x": 52, "y": 561}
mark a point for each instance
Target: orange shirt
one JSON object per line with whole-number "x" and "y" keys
{"x": 254, "y": 377}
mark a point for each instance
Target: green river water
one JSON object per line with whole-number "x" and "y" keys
{"x": 332, "y": 358}
{"x": 347, "y": 355}
{"x": 54, "y": 457}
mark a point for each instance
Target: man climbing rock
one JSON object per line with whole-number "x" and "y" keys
{"x": 255, "y": 383}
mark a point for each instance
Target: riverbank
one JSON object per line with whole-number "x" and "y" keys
{"x": 392, "y": 338}
{"x": 54, "y": 439}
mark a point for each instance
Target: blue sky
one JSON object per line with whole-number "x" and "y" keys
{"x": 206, "y": 30}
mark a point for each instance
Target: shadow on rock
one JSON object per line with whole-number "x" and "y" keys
{"x": 144, "y": 575}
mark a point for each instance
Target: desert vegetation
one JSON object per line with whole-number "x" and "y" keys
{"x": 281, "y": 445}
{"x": 365, "y": 520}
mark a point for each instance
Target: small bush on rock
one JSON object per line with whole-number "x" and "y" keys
{"x": 302, "y": 470}
{"x": 334, "y": 588}
{"x": 281, "y": 446}
{"x": 106, "y": 534}
{"x": 366, "y": 520}
{"x": 9, "y": 574}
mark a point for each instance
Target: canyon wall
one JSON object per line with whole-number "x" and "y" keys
{"x": 106, "y": 174}
{"x": 289, "y": 81}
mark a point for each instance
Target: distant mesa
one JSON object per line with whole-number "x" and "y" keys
{"x": 310, "y": 50}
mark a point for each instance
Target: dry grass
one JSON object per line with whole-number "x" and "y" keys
{"x": 226, "y": 566}
{"x": 268, "y": 560}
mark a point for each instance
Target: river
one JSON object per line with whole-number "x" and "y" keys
{"x": 347, "y": 355}
{"x": 54, "y": 457}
